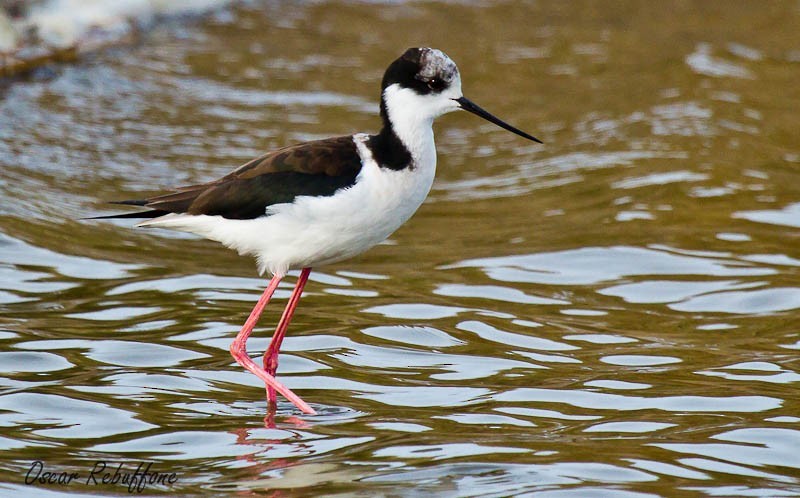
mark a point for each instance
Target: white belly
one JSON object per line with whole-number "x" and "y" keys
{"x": 314, "y": 231}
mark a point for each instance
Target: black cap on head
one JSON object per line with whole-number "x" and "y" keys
{"x": 424, "y": 70}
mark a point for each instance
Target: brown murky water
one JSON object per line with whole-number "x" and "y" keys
{"x": 615, "y": 314}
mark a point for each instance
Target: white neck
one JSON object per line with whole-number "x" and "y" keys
{"x": 412, "y": 122}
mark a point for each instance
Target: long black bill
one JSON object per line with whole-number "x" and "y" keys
{"x": 470, "y": 106}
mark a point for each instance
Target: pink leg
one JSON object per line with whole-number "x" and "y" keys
{"x": 274, "y": 349}
{"x": 238, "y": 349}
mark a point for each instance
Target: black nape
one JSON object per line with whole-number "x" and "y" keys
{"x": 387, "y": 148}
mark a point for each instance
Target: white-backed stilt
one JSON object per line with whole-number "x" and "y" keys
{"x": 324, "y": 201}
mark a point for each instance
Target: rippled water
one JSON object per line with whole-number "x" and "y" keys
{"x": 614, "y": 314}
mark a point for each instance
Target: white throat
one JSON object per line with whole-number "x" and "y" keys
{"x": 412, "y": 115}
{"x": 412, "y": 122}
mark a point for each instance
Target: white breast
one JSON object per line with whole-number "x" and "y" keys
{"x": 313, "y": 231}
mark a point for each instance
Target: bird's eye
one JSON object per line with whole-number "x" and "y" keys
{"x": 436, "y": 84}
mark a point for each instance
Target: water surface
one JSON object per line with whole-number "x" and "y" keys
{"x": 613, "y": 314}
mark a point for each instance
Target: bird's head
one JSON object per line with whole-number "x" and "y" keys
{"x": 424, "y": 83}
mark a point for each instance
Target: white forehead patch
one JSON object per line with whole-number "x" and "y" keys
{"x": 435, "y": 63}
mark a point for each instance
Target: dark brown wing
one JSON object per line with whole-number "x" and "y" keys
{"x": 317, "y": 168}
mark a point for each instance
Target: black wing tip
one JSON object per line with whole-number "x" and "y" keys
{"x": 131, "y": 202}
{"x": 154, "y": 213}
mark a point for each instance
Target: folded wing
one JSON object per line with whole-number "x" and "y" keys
{"x": 317, "y": 168}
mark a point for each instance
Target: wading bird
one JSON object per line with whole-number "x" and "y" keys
{"x": 324, "y": 201}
